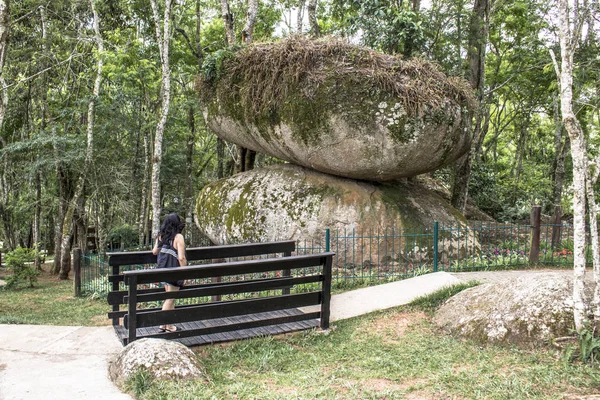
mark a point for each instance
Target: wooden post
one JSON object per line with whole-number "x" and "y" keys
{"x": 116, "y": 270}
{"x": 286, "y": 272}
{"x": 556, "y": 227}
{"x": 77, "y": 271}
{"x": 534, "y": 251}
{"x": 326, "y": 301}
{"x": 132, "y": 310}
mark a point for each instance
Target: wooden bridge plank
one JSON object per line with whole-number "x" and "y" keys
{"x": 226, "y": 269}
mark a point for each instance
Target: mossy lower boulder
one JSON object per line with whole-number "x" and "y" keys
{"x": 337, "y": 108}
{"x": 289, "y": 202}
{"x": 531, "y": 309}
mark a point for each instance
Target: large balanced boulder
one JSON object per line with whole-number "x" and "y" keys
{"x": 337, "y": 108}
{"x": 163, "y": 359}
{"x": 289, "y": 202}
{"x": 533, "y": 308}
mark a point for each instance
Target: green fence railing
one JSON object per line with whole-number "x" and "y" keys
{"x": 364, "y": 258}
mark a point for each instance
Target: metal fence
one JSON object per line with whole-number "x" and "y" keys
{"x": 365, "y": 258}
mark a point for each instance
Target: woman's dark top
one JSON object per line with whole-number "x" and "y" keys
{"x": 167, "y": 258}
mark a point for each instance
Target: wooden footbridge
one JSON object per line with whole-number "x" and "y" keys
{"x": 263, "y": 294}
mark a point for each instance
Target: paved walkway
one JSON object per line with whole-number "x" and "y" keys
{"x": 57, "y": 363}
{"x": 71, "y": 363}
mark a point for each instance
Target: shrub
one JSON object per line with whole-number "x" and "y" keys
{"x": 19, "y": 262}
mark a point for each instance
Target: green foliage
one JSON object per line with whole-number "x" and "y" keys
{"x": 123, "y": 236}
{"x": 20, "y": 263}
{"x": 589, "y": 345}
{"x": 140, "y": 382}
{"x": 386, "y": 25}
{"x": 395, "y": 354}
{"x": 433, "y": 301}
{"x": 212, "y": 68}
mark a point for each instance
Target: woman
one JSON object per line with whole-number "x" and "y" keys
{"x": 170, "y": 249}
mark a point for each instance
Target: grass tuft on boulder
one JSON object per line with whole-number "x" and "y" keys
{"x": 262, "y": 76}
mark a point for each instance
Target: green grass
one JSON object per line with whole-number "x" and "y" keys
{"x": 431, "y": 302}
{"x": 394, "y": 354}
{"x": 50, "y": 302}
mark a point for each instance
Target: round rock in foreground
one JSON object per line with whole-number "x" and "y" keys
{"x": 163, "y": 359}
{"x": 525, "y": 310}
{"x": 337, "y": 108}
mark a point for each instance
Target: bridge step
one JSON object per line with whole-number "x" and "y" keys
{"x": 223, "y": 323}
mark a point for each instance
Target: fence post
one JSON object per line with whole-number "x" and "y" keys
{"x": 77, "y": 271}
{"x": 132, "y": 309}
{"x": 534, "y": 251}
{"x": 556, "y": 227}
{"x": 326, "y": 292}
{"x": 327, "y": 239}
{"x": 435, "y": 246}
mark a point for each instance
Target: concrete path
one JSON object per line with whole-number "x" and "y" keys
{"x": 71, "y": 362}
{"x": 57, "y": 363}
{"x": 362, "y": 301}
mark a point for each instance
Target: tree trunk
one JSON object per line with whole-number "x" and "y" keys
{"x": 568, "y": 37}
{"x": 67, "y": 230}
{"x": 4, "y": 36}
{"x": 560, "y": 152}
{"x": 315, "y": 30}
{"x": 593, "y": 219}
{"x": 143, "y": 217}
{"x": 248, "y": 30}
{"x": 478, "y": 38}
{"x": 300, "y": 16}
{"x": 228, "y": 21}
{"x": 63, "y": 193}
{"x": 189, "y": 198}
{"x": 37, "y": 229}
{"x": 163, "y": 39}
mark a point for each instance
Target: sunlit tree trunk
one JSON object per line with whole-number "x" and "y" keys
{"x": 163, "y": 39}
{"x": 300, "y": 16}
{"x": 248, "y": 30}
{"x": 560, "y": 151}
{"x": 593, "y": 220}
{"x": 315, "y": 30}
{"x": 569, "y": 32}
{"x": 228, "y": 21}
{"x": 4, "y": 36}
{"x": 143, "y": 216}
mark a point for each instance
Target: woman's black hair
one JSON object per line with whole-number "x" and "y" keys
{"x": 171, "y": 226}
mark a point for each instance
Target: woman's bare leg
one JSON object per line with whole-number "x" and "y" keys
{"x": 169, "y": 304}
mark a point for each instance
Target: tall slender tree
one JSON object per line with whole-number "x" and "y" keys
{"x": 163, "y": 38}
{"x": 478, "y": 38}
{"x": 315, "y": 30}
{"x": 78, "y": 199}
{"x": 570, "y": 19}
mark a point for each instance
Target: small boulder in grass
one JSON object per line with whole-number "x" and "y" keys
{"x": 163, "y": 359}
{"x": 528, "y": 310}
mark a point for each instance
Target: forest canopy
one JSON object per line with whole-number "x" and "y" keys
{"x": 84, "y": 94}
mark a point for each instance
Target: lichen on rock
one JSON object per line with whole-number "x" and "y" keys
{"x": 526, "y": 310}
{"x": 162, "y": 359}
{"x": 289, "y": 202}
